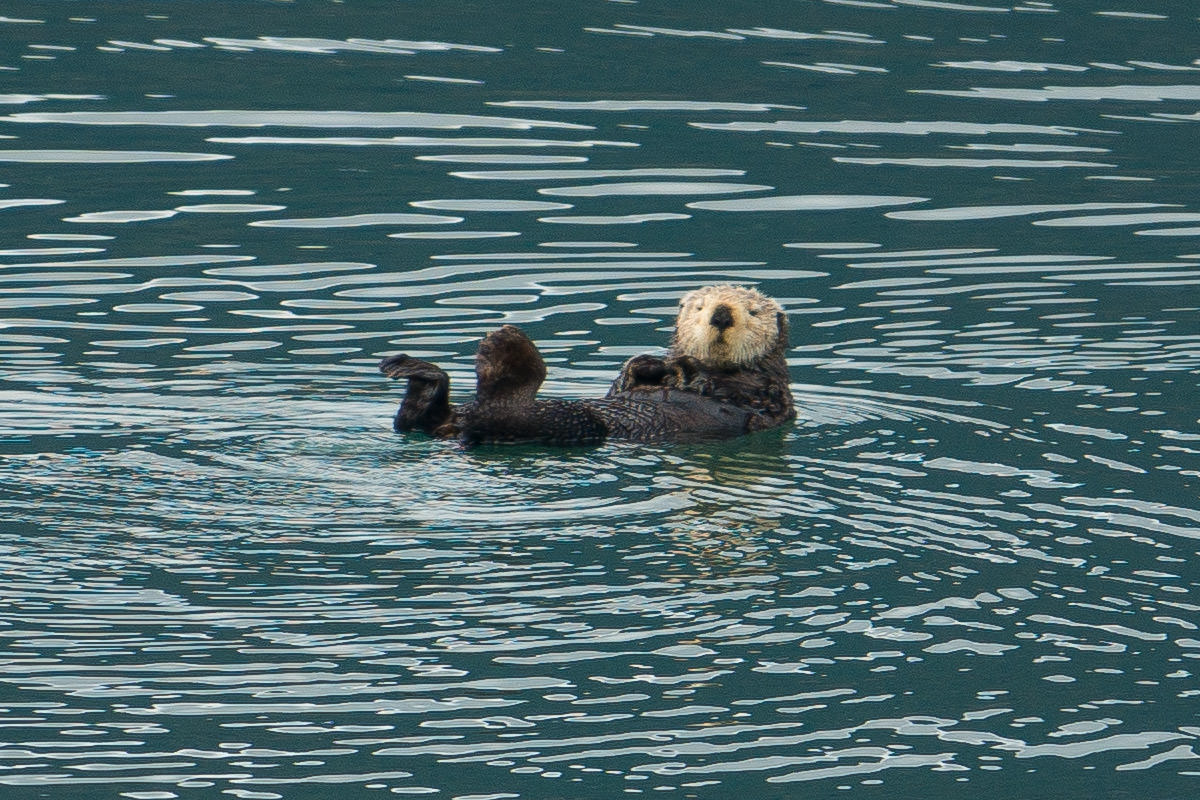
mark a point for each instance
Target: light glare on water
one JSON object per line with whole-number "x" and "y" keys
{"x": 967, "y": 565}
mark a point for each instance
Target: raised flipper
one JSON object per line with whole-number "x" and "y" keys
{"x": 426, "y": 405}
{"x": 508, "y": 368}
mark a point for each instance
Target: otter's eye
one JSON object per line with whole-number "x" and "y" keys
{"x": 754, "y": 312}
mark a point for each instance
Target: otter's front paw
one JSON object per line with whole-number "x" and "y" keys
{"x": 647, "y": 370}
{"x": 640, "y": 371}
{"x": 684, "y": 371}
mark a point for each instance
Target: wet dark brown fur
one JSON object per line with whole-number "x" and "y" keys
{"x": 730, "y": 344}
{"x": 678, "y": 398}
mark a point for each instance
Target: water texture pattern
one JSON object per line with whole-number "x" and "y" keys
{"x": 968, "y": 566}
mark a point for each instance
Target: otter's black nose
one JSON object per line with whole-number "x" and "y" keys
{"x": 722, "y": 317}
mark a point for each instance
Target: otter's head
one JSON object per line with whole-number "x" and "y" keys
{"x": 729, "y": 326}
{"x": 508, "y": 367}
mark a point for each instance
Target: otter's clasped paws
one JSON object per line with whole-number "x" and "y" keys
{"x": 646, "y": 371}
{"x": 683, "y": 371}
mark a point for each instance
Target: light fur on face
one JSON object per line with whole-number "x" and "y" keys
{"x": 705, "y": 332}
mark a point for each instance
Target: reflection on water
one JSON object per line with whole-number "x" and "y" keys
{"x": 966, "y": 563}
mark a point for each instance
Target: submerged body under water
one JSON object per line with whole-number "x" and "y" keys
{"x": 967, "y": 565}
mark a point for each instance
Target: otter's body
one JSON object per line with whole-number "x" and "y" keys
{"x": 715, "y": 384}
{"x": 642, "y": 415}
{"x": 730, "y": 344}
{"x": 674, "y": 416}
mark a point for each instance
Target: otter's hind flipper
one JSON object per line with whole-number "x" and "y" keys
{"x": 426, "y": 404}
{"x": 508, "y": 368}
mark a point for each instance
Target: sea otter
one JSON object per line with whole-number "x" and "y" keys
{"x": 725, "y": 376}
{"x": 730, "y": 343}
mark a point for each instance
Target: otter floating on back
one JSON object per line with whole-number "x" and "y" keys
{"x": 725, "y": 375}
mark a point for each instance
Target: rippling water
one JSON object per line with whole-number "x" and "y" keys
{"x": 967, "y": 566}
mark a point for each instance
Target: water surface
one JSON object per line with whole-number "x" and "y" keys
{"x": 966, "y": 567}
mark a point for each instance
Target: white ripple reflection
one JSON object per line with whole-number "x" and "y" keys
{"x": 122, "y": 216}
{"x": 1012, "y": 66}
{"x": 644, "y": 188}
{"x": 229, "y": 208}
{"x": 276, "y": 270}
{"x": 502, "y": 158}
{"x": 322, "y": 46}
{"x": 640, "y": 105}
{"x": 48, "y": 251}
{"x": 993, "y": 212}
{"x": 288, "y": 119}
{"x": 1107, "y": 220}
{"x": 214, "y": 193}
{"x": 453, "y": 234}
{"x": 975, "y": 163}
{"x": 828, "y": 67}
{"x": 806, "y": 202}
{"x": 22, "y": 99}
{"x": 615, "y": 219}
{"x": 416, "y": 141}
{"x": 1169, "y": 232}
{"x": 104, "y": 156}
{"x": 29, "y": 201}
{"x": 489, "y": 204}
{"x": 849, "y": 37}
{"x": 358, "y": 220}
{"x": 580, "y": 174}
{"x": 903, "y": 128}
{"x": 1130, "y": 93}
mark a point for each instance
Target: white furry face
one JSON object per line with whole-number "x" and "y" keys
{"x": 726, "y": 326}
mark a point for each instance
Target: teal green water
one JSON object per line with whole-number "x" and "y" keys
{"x": 966, "y": 569}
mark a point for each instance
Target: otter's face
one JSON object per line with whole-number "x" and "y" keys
{"x": 728, "y": 326}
